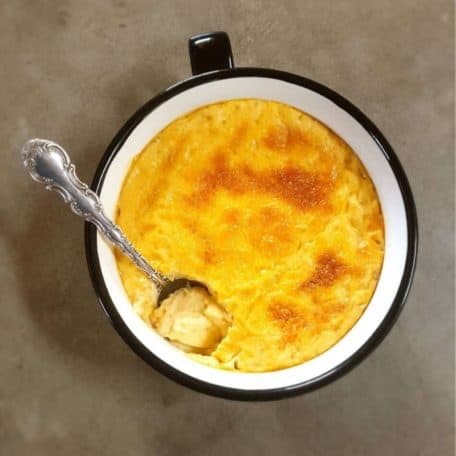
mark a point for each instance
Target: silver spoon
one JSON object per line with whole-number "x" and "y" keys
{"x": 49, "y": 164}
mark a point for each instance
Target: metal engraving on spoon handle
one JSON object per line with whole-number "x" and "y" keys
{"x": 49, "y": 164}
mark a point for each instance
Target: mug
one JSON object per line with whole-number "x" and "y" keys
{"x": 216, "y": 79}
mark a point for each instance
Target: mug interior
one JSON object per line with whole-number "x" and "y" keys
{"x": 371, "y": 155}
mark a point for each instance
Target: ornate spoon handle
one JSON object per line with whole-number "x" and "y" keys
{"x": 50, "y": 165}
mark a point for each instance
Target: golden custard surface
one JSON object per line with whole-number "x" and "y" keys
{"x": 273, "y": 211}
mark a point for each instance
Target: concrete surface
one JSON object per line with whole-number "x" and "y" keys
{"x": 73, "y": 71}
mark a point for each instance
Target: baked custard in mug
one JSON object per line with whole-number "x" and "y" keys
{"x": 269, "y": 208}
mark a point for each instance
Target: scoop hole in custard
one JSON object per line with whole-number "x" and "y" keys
{"x": 192, "y": 320}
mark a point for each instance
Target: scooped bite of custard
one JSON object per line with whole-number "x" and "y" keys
{"x": 274, "y": 213}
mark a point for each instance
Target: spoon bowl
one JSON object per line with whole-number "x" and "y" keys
{"x": 176, "y": 284}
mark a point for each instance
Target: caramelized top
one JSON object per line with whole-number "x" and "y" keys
{"x": 270, "y": 209}
{"x": 283, "y": 137}
{"x": 293, "y": 185}
{"x": 290, "y": 320}
{"x": 327, "y": 270}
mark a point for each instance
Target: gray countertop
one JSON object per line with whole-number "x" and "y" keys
{"x": 74, "y": 71}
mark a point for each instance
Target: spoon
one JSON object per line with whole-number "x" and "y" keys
{"x": 49, "y": 164}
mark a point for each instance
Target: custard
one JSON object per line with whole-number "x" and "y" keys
{"x": 270, "y": 209}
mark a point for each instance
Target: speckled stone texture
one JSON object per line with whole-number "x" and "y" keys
{"x": 74, "y": 71}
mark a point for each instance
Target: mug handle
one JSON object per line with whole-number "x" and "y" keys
{"x": 210, "y": 52}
